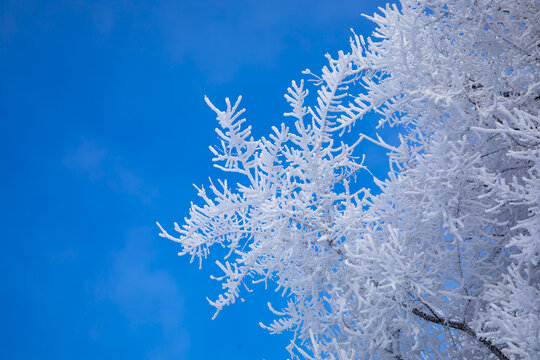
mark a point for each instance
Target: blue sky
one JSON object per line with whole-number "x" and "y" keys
{"x": 103, "y": 131}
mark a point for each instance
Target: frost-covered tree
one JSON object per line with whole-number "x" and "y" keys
{"x": 443, "y": 261}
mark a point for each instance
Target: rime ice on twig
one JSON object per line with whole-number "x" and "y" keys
{"x": 445, "y": 261}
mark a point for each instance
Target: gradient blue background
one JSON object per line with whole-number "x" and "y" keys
{"x": 103, "y": 131}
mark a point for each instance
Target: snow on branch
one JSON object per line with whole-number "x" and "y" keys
{"x": 443, "y": 260}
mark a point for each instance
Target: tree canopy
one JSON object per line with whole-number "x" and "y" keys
{"x": 443, "y": 260}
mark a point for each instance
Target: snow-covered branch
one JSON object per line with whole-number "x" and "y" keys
{"x": 443, "y": 259}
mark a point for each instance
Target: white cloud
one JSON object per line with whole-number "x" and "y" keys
{"x": 95, "y": 161}
{"x": 223, "y": 37}
{"x": 104, "y": 17}
{"x": 87, "y": 159}
{"x": 146, "y": 295}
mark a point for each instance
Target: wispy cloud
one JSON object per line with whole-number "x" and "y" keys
{"x": 7, "y": 26}
{"x": 222, "y": 37}
{"x": 104, "y": 17}
{"x": 146, "y": 295}
{"x": 95, "y": 161}
{"x": 87, "y": 159}
{"x": 64, "y": 256}
{"x": 218, "y": 37}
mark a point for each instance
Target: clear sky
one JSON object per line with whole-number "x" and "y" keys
{"x": 103, "y": 131}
